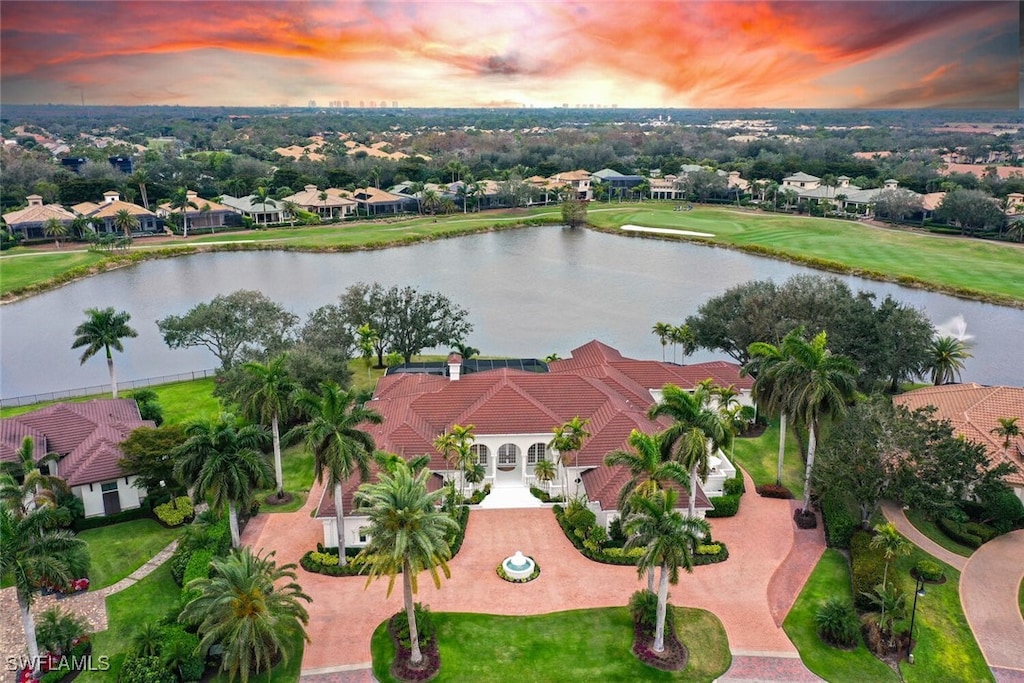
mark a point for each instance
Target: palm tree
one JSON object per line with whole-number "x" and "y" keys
{"x": 36, "y": 489}
{"x": 697, "y": 432}
{"x": 126, "y": 222}
{"x": 682, "y": 336}
{"x": 290, "y": 208}
{"x": 340, "y": 448}
{"x": 766, "y": 392}
{"x": 181, "y": 202}
{"x": 266, "y": 397}
{"x": 448, "y": 206}
{"x": 251, "y": 607}
{"x": 568, "y": 440}
{"x": 455, "y": 446}
{"x": 323, "y": 199}
{"x": 223, "y": 461}
{"x": 33, "y": 552}
{"x": 545, "y": 472}
{"x": 663, "y": 331}
{"x": 667, "y": 539}
{"x": 140, "y": 177}
{"x": 888, "y": 539}
{"x": 815, "y": 384}
{"x": 408, "y": 534}
{"x": 103, "y": 329}
{"x": 56, "y": 229}
{"x": 947, "y": 359}
{"x": 431, "y": 200}
{"x": 1008, "y": 429}
{"x": 649, "y": 470}
{"x": 466, "y": 351}
{"x": 262, "y": 197}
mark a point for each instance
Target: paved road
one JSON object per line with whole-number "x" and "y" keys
{"x": 988, "y": 591}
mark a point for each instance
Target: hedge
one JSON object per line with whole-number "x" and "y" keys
{"x": 839, "y": 522}
{"x": 868, "y": 564}
{"x": 959, "y": 532}
{"x": 85, "y": 523}
{"x": 725, "y": 506}
{"x": 175, "y": 513}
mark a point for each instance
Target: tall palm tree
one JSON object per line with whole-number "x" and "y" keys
{"x": 682, "y": 336}
{"x": 140, "y": 177}
{"x": 266, "y": 397}
{"x": 649, "y": 470}
{"x": 126, "y": 222}
{"x": 33, "y": 552}
{"x": 667, "y": 539}
{"x": 767, "y": 392}
{"x": 947, "y": 359}
{"x": 263, "y": 197}
{"x": 408, "y": 534}
{"x": 222, "y": 458}
{"x": 181, "y": 203}
{"x": 323, "y": 199}
{"x": 55, "y": 228}
{"x": 431, "y": 200}
{"x": 697, "y": 432}
{"x": 456, "y": 447}
{"x": 1008, "y": 429}
{"x": 250, "y": 606}
{"x": 815, "y": 384}
{"x": 568, "y": 440}
{"x": 340, "y": 448}
{"x": 35, "y": 488}
{"x": 663, "y": 331}
{"x": 103, "y": 329}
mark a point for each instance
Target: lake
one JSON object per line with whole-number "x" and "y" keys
{"x": 529, "y": 292}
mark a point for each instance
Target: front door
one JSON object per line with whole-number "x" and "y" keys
{"x": 111, "y": 499}
{"x": 507, "y": 471}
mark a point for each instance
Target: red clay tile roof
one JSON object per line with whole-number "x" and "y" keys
{"x": 603, "y": 484}
{"x": 87, "y": 435}
{"x": 974, "y": 411}
{"x": 325, "y": 508}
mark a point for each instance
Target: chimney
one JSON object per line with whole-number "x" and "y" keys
{"x": 111, "y": 197}
{"x": 192, "y": 195}
{"x": 34, "y": 200}
{"x": 454, "y": 366}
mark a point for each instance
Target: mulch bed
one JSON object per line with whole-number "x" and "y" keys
{"x": 805, "y": 519}
{"x": 273, "y": 499}
{"x": 674, "y": 657}
{"x": 404, "y": 670}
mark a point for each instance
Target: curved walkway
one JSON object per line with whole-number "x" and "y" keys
{"x": 345, "y": 611}
{"x": 989, "y": 580}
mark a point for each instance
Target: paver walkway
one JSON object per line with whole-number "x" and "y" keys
{"x": 344, "y": 614}
{"x": 894, "y": 513}
{"x": 988, "y": 592}
{"x": 90, "y": 605}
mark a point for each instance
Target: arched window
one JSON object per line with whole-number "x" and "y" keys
{"x": 508, "y": 454}
{"x": 481, "y": 452}
{"x": 537, "y": 452}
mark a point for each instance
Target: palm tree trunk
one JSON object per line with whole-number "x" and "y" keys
{"x": 650, "y": 580}
{"x": 277, "y": 457}
{"x": 29, "y": 625}
{"x": 339, "y": 522}
{"x": 236, "y": 538}
{"x": 812, "y": 444}
{"x": 782, "y": 448}
{"x": 692, "y": 509}
{"x": 659, "y": 630}
{"x": 410, "y": 611}
{"x": 113, "y": 377}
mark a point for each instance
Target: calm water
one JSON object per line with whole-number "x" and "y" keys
{"x": 529, "y": 293}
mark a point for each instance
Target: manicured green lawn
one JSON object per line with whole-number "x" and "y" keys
{"x": 932, "y": 531}
{"x": 181, "y": 401}
{"x": 578, "y": 645}
{"x": 760, "y": 458}
{"x": 297, "y": 470}
{"x": 17, "y": 271}
{"x": 830, "y": 578}
{"x": 116, "y": 551}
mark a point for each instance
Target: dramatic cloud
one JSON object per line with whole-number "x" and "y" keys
{"x": 701, "y": 53}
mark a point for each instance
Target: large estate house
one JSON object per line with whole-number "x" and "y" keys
{"x": 974, "y": 411}
{"x": 328, "y": 204}
{"x": 201, "y": 213}
{"x": 31, "y": 220}
{"x": 514, "y": 407}
{"x": 80, "y": 443}
{"x": 103, "y": 216}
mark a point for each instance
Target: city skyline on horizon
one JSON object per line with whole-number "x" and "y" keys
{"x": 777, "y": 54}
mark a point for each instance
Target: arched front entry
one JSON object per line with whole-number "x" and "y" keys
{"x": 508, "y": 470}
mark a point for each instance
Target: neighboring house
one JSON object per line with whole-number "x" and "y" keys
{"x": 579, "y": 181}
{"x": 374, "y": 202}
{"x": 847, "y": 197}
{"x": 334, "y": 205}
{"x": 618, "y": 184}
{"x": 975, "y": 410}
{"x": 205, "y": 213}
{"x": 259, "y": 213}
{"x": 86, "y": 436}
{"x": 103, "y": 216}
{"x": 30, "y": 220}
{"x": 515, "y": 410}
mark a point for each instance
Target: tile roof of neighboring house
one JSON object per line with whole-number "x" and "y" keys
{"x": 111, "y": 209}
{"x": 87, "y": 435}
{"x": 980, "y": 170}
{"x": 931, "y": 201}
{"x": 38, "y": 214}
{"x": 571, "y": 176}
{"x": 325, "y": 508}
{"x": 374, "y": 195}
{"x": 310, "y": 196}
{"x": 974, "y": 411}
{"x": 802, "y": 177}
{"x": 250, "y": 205}
{"x": 199, "y": 204}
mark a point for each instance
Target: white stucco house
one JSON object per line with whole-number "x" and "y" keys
{"x": 85, "y": 438}
{"x": 514, "y": 406}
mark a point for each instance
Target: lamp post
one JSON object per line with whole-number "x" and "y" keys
{"x": 918, "y": 592}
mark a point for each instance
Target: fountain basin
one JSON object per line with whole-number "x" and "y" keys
{"x": 518, "y": 567}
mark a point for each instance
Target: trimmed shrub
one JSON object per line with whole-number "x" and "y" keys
{"x": 837, "y": 623}
{"x": 175, "y": 516}
{"x": 867, "y": 566}
{"x": 929, "y": 570}
{"x": 982, "y": 531}
{"x": 198, "y": 566}
{"x": 725, "y": 506}
{"x": 643, "y": 608}
{"x": 1005, "y": 511}
{"x": 840, "y": 523}
{"x": 959, "y": 532}
{"x": 616, "y": 536}
{"x": 145, "y": 670}
{"x": 479, "y": 495}
{"x": 709, "y": 549}
{"x": 125, "y": 516}
{"x": 176, "y": 638}
{"x": 543, "y": 496}
{"x": 325, "y": 559}
{"x": 632, "y": 554}
{"x": 734, "y": 486}
{"x": 774, "y": 491}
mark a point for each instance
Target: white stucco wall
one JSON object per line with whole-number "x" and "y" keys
{"x": 129, "y": 496}
{"x": 352, "y": 527}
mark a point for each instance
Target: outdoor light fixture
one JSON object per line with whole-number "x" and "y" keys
{"x": 918, "y": 593}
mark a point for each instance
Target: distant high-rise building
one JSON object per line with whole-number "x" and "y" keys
{"x": 312, "y": 104}
{"x": 394, "y": 104}
{"x": 565, "y": 105}
{"x": 361, "y": 104}
{"x": 346, "y": 104}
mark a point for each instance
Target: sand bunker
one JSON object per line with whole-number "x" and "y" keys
{"x": 666, "y": 231}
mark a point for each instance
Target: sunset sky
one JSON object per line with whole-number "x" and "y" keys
{"x": 629, "y": 53}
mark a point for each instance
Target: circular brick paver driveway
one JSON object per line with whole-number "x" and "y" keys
{"x": 344, "y": 614}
